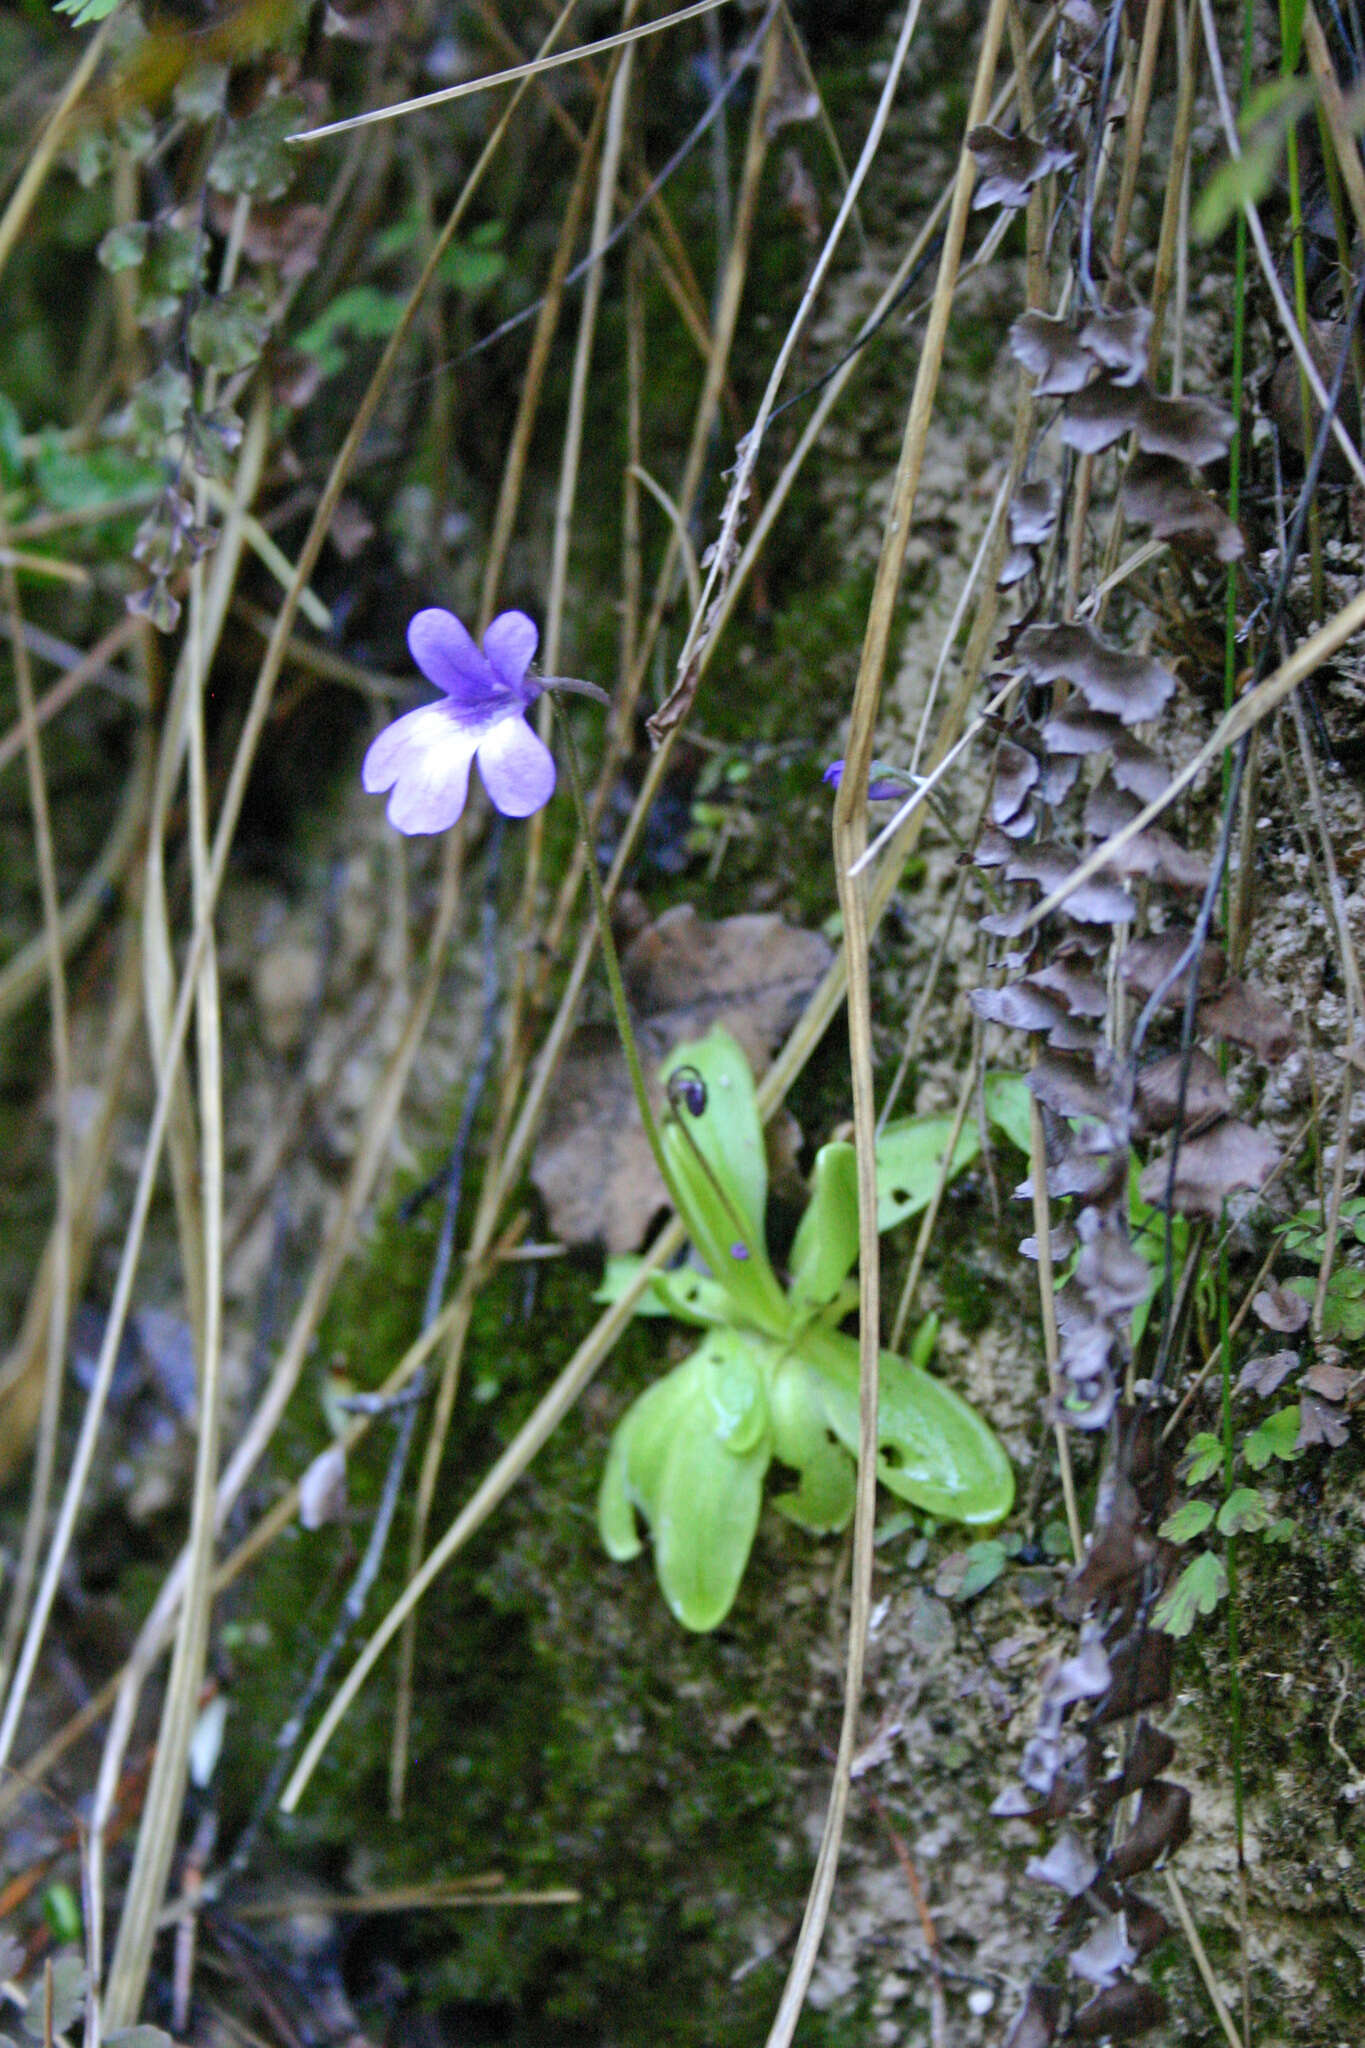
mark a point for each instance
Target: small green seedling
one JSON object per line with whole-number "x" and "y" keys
{"x": 773, "y": 1377}
{"x": 1244, "y": 1511}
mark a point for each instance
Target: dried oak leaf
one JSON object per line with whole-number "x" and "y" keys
{"x": 1211, "y": 1167}
{"x": 1051, "y": 353}
{"x": 752, "y": 974}
{"x": 1130, "y": 687}
{"x": 1281, "y": 1311}
{"x": 1158, "y": 494}
{"x": 1123, "y": 2012}
{"x": 1098, "y": 416}
{"x": 1251, "y": 1018}
{"x": 1011, "y": 165}
{"x": 1118, "y": 342}
{"x": 1320, "y": 1422}
{"x": 1158, "y": 1090}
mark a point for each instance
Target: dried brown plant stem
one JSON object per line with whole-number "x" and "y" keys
{"x": 849, "y": 839}
{"x": 1047, "y": 1303}
{"x": 60, "y": 1245}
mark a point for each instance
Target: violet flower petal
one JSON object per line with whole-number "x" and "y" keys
{"x": 424, "y": 758}
{"x": 448, "y": 657}
{"x": 510, "y": 645}
{"x": 517, "y": 767}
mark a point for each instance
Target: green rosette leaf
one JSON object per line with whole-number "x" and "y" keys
{"x": 825, "y": 1248}
{"x": 935, "y": 1450}
{"x": 720, "y": 1171}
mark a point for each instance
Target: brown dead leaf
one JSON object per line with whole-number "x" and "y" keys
{"x": 752, "y": 975}
{"x": 1320, "y": 1422}
{"x": 1209, "y": 1168}
{"x": 1281, "y": 1311}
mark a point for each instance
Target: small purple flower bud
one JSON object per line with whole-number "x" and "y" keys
{"x": 739, "y": 1251}
{"x": 686, "y": 1088}
{"x": 880, "y": 790}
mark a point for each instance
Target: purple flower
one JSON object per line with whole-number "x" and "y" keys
{"x": 424, "y": 756}
{"x": 881, "y": 789}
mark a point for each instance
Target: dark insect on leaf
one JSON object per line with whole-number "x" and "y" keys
{"x": 1123, "y": 2012}
{"x": 1162, "y": 1824}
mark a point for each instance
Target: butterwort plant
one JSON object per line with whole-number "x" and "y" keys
{"x": 774, "y": 1379}
{"x": 423, "y": 759}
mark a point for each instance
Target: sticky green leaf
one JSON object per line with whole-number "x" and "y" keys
{"x": 636, "y": 1460}
{"x": 936, "y": 1452}
{"x": 826, "y": 1244}
{"x": 823, "y": 1502}
{"x": 720, "y": 1171}
{"x": 1197, "y": 1591}
{"x": 909, "y": 1163}
{"x": 1188, "y": 1521}
{"x": 1277, "y": 1437}
{"x": 1008, "y": 1103}
{"x": 710, "y": 1490}
{"x": 1243, "y": 1512}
